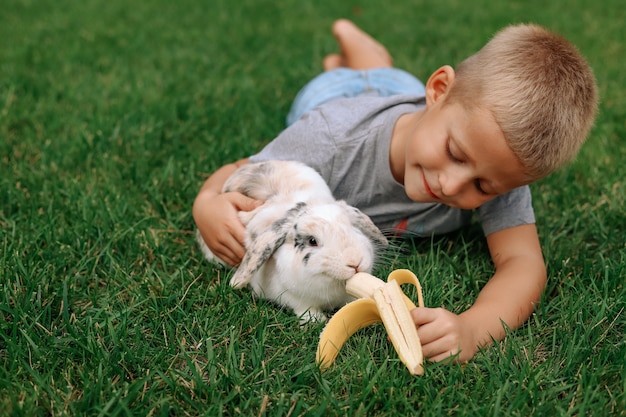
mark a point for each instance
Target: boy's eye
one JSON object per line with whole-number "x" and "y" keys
{"x": 451, "y": 155}
{"x": 479, "y": 187}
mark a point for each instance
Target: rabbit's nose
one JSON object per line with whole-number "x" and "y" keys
{"x": 353, "y": 259}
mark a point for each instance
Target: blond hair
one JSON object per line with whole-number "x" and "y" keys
{"x": 540, "y": 90}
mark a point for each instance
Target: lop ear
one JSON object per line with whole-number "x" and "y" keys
{"x": 263, "y": 245}
{"x": 362, "y": 222}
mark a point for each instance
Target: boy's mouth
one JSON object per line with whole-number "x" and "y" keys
{"x": 427, "y": 188}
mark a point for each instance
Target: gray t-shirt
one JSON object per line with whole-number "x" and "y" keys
{"x": 347, "y": 142}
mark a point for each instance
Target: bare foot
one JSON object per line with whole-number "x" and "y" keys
{"x": 333, "y": 61}
{"x": 358, "y": 49}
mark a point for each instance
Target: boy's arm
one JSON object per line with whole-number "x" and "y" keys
{"x": 510, "y": 297}
{"x": 517, "y": 285}
{"x": 215, "y": 214}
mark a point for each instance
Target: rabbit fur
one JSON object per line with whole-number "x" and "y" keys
{"x": 301, "y": 244}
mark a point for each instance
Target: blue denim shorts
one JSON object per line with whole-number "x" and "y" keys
{"x": 346, "y": 83}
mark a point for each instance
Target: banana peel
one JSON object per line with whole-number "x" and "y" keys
{"x": 377, "y": 301}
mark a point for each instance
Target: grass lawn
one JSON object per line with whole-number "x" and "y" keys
{"x": 112, "y": 113}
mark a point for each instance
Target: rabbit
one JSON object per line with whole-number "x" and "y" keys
{"x": 301, "y": 244}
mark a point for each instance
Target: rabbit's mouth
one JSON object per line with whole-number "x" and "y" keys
{"x": 347, "y": 273}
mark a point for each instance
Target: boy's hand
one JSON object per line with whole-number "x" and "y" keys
{"x": 506, "y": 301}
{"x": 444, "y": 334}
{"x": 218, "y": 222}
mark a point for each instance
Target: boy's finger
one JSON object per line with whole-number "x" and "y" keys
{"x": 422, "y": 315}
{"x": 232, "y": 253}
{"x": 236, "y": 238}
{"x": 243, "y": 203}
{"x": 238, "y": 248}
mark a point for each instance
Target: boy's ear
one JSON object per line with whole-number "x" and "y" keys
{"x": 439, "y": 84}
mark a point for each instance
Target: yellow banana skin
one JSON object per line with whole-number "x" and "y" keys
{"x": 376, "y": 302}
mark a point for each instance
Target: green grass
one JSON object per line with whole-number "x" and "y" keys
{"x": 111, "y": 115}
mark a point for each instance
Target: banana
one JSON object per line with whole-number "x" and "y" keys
{"x": 376, "y": 301}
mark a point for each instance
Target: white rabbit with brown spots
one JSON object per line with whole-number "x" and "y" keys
{"x": 301, "y": 244}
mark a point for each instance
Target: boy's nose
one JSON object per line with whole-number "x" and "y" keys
{"x": 453, "y": 184}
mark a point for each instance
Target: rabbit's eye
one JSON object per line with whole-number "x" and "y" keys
{"x": 305, "y": 241}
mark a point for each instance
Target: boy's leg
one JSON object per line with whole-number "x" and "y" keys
{"x": 364, "y": 67}
{"x": 359, "y": 50}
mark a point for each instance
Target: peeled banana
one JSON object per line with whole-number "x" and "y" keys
{"x": 376, "y": 301}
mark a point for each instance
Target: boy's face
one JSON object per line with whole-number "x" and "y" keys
{"x": 459, "y": 158}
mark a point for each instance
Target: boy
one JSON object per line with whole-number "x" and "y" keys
{"x": 421, "y": 158}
